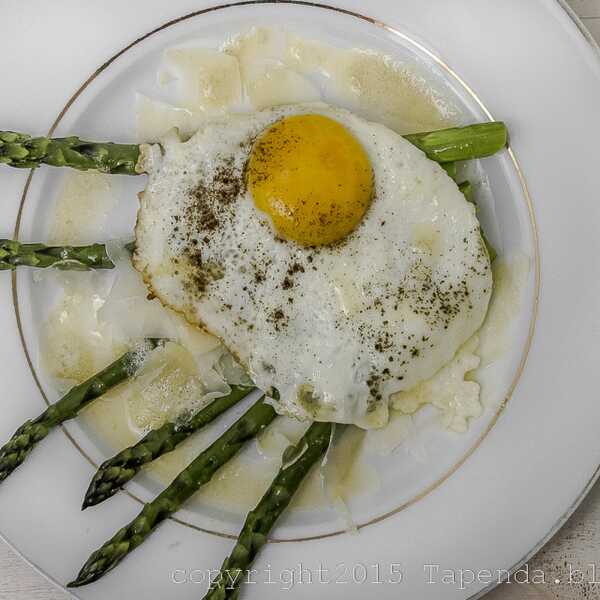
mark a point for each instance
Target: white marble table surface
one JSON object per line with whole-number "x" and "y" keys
{"x": 566, "y": 561}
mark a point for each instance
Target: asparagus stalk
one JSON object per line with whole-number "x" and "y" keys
{"x": 21, "y": 150}
{"x": 117, "y": 471}
{"x": 451, "y": 169}
{"x": 197, "y": 473}
{"x": 466, "y": 188}
{"x": 14, "y": 254}
{"x": 261, "y": 520}
{"x": 469, "y": 193}
{"x": 462, "y": 143}
{"x": 14, "y": 452}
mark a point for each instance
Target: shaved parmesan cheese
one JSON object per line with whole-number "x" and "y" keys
{"x": 206, "y": 79}
{"x": 154, "y": 119}
{"x": 275, "y": 85}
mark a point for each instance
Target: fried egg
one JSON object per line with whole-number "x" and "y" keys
{"x": 334, "y": 259}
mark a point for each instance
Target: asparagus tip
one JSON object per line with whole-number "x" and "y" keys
{"x": 77, "y": 583}
{"x": 93, "y": 497}
{"x": 86, "y": 576}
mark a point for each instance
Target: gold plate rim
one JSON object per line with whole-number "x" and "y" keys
{"x": 466, "y": 87}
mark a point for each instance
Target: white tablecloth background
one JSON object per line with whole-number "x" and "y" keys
{"x": 575, "y": 547}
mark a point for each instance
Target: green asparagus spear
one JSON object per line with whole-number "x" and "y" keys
{"x": 467, "y": 189}
{"x": 117, "y": 471}
{"x": 450, "y": 168}
{"x": 21, "y": 150}
{"x": 197, "y": 473}
{"x": 260, "y": 521}
{"x": 14, "y": 452}
{"x": 14, "y": 254}
{"x": 462, "y": 143}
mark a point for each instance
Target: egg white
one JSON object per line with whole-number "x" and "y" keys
{"x": 335, "y": 330}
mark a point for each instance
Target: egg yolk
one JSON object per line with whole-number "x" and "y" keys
{"x": 312, "y": 177}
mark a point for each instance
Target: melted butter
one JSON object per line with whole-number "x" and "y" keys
{"x": 391, "y": 94}
{"x": 385, "y": 440}
{"x": 82, "y": 209}
{"x": 236, "y": 486}
{"x": 373, "y": 84}
{"x": 239, "y": 484}
{"x": 109, "y": 418}
{"x": 276, "y": 438}
{"x": 75, "y": 344}
{"x": 168, "y": 466}
{"x": 509, "y": 281}
{"x": 343, "y": 475}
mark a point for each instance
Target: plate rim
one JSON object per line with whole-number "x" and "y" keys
{"x": 452, "y": 73}
{"x": 566, "y": 514}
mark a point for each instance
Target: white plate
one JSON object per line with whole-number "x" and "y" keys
{"x": 462, "y": 522}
